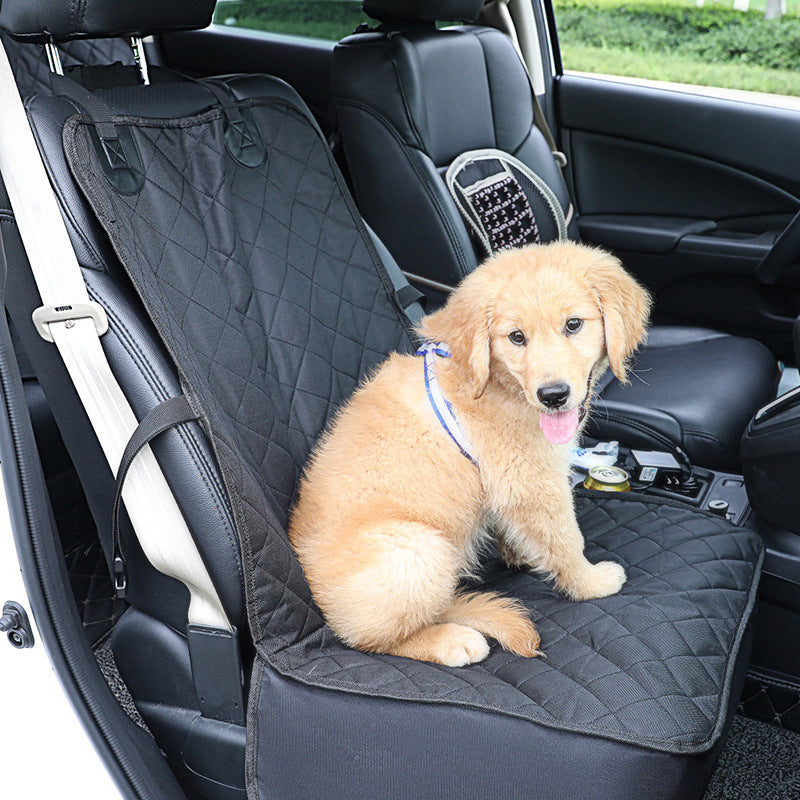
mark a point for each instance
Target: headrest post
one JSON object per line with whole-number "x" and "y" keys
{"x": 141, "y": 59}
{"x": 53, "y": 58}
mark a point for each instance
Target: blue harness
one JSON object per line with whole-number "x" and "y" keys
{"x": 443, "y": 409}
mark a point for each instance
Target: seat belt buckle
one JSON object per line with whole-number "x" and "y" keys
{"x": 44, "y": 315}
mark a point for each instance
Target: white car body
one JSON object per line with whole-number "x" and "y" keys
{"x": 46, "y": 751}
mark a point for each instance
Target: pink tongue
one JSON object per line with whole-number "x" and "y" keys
{"x": 559, "y": 426}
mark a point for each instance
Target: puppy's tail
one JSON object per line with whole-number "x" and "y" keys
{"x": 502, "y": 618}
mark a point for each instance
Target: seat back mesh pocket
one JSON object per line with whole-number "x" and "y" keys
{"x": 504, "y": 203}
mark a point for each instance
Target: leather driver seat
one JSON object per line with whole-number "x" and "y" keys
{"x": 410, "y": 99}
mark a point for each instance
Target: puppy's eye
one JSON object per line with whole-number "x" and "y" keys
{"x": 517, "y": 337}
{"x": 573, "y": 325}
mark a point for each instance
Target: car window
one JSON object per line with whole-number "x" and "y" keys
{"x": 324, "y": 19}
{"x": 752, "y": 46}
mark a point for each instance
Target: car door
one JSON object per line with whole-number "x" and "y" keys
{"x": 690, "y": 185}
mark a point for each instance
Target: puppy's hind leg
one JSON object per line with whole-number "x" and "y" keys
{"x": 393, "y": 602}
{"x": 502, "y": 618}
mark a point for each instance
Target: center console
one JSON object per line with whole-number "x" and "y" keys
{"x": 661, "y": 474}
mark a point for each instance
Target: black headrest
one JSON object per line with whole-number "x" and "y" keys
{"x": 423, "y": 10}
{"x": 60, "y": 20}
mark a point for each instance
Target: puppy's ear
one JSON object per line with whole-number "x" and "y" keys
{"x": 464, "y": 324}
{"x": 625, "y": 307}
{"x": 480, "y": 356}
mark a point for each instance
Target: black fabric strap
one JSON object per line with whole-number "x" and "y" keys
{"x": 220, "y": 92}
{"x": 407, "y": 295}
{"x": 99, "y": 112}
{"x": 164, "y": 416}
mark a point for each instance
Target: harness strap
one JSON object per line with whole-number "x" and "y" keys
{"x": 441, "y": 407}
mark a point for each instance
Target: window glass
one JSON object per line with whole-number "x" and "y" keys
{"x": 754, "y": 45}
{"x": 326, "y": 19}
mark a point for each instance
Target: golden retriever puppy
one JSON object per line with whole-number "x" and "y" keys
{"x": 391, "y": 513}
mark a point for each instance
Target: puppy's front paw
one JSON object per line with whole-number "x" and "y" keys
{"x": 598, "y": 580}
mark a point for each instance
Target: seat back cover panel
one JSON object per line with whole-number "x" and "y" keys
{"x": 269, "y": 297}
{"x": 273, "y": 304}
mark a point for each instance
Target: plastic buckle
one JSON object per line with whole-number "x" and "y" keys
{"x": 120, "y": 578}
{"x": 44, "y": 315}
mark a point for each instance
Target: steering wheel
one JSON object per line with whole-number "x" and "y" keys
{"x": 783, "y": 253}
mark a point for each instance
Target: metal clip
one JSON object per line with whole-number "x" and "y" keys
{"x": 120, "y": 578}
{"x": 53, "y": 58}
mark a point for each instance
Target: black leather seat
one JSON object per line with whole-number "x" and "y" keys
{"x": 410, "y": 99}
{"x": 254, "y": 279}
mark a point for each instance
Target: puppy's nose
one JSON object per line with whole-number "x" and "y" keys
{"x": 553, "y": 395}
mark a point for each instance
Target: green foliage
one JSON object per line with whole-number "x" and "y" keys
{"x": 328, "y": 19}
{"x": 712, "y": 45}
{"x": 710, "y": 34}
{"x": 679, "y": 69}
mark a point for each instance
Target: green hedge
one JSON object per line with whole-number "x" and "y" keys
{"x": 331, "y": 19}
{"x": 709, "y": 34}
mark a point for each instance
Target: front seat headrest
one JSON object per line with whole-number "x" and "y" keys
{"x": 423, "y": 10}
{"x": 60, "y": 20}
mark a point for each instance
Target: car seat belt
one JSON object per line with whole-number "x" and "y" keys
{"x": 74, "y": 323}
{"x": 495, "y": 14}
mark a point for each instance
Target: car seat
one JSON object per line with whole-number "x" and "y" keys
{"x": 413, "y": 102}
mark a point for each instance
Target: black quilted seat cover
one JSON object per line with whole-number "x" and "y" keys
{"x": 267, "y": 290}
{"x": 265, "y": 287}
{"x": 650, "y": 665}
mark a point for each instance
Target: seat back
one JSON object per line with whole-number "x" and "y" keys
{"x": 262, "y": 283}
{"x": 410, "y": 99}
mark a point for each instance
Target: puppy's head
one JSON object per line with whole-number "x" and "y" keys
{"x": 542, "y": 323}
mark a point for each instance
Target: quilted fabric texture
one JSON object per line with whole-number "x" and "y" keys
{"x": 98, "y": 605}
{"x": 273, "y": 302}
{"x": 267, "y": 292}
{"x": 648, "y": 665}
{"x": 30, "y": 64}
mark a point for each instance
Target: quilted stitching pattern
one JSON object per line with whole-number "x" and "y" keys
{"x": 98, "y": 605}
{"x": 647, "y": 665}
{"x": 263, "y": 287}
{"x": 30, "y": 64}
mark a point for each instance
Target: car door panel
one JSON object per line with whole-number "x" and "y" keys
{"x": 615, "y": 175}
{"x": 723, "y": 130}
{"x": 690, "y": 191}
